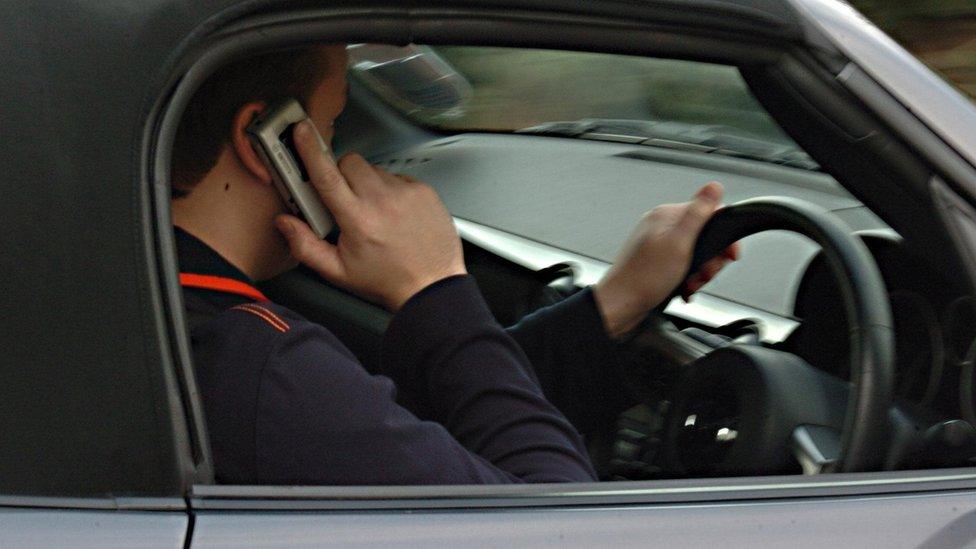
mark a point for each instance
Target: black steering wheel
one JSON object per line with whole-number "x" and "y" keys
{"x": 747, "y": 409}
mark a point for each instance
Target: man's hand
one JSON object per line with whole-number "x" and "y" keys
{"x": 397, "y": 237}
{"x": 655, "y": 260}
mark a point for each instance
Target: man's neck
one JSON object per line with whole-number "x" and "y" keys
{"x": 234, "y": 258}
{"x": 233, "y": 213}
{"x": 241, "y": 231}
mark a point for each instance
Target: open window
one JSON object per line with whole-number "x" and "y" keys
{"x": 554, "y": 142}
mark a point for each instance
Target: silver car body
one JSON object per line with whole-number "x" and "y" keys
{"x": 891, "y": 509}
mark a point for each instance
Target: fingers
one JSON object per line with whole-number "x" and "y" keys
{"x": 712, "y": 268}
{"x": 360, "y": 175}
{"x": 706, "y": 202}
{"x": 308, "y": 248}
{"x": 702, "y": 277}
{"x": 690, "y": 287}
{"x": 700, "y": 209}
{"x": 708, "y": 271}
{"x": 325, "y": 175}
{"x": 408, "y": 178}
{"x": 395, "y": 178}
{"x": 732, "y": 252}
{"x": 389, "y": 178}
{"x": 694, "y": 283}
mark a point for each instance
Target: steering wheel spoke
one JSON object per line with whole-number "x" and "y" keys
{"x": 816, "y": 448}
{"x": 660, "y": 336}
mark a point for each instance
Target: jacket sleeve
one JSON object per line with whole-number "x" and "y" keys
{"x": 324, "y": 419}
{"x": 580, "y": 369}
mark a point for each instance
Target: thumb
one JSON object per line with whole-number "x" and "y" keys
{"x": 305, "y": 246}
{"x": 701, "y": 208}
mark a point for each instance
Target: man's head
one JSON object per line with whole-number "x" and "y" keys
{"x": 222, "y": 192}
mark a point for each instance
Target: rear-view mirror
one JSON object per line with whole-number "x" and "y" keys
{"x": 415, "y": 79}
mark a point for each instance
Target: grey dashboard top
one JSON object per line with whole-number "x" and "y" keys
{"x": 584, "y": 197}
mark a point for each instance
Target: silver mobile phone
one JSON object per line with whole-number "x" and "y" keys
{"x": 272, "y": 134}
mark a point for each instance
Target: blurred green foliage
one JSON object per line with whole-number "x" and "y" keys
{"x": 515, "y": 88}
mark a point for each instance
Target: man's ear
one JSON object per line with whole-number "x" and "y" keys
{"x": 242, "y": 143}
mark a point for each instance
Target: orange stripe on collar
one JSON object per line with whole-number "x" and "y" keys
{"x": 274, "y": 320}
{"x": 221, "y": 284}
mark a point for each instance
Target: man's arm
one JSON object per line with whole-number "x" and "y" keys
{"x": 572, "y": 345}
{"x": 476, "y": 381}
{"x": 399, "y": 248}
{"x": 322, "y": 419}
{"x": 398, "y": 239}
{"x": 579, "y": 367}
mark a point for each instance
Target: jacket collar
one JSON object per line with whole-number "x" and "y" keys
{"x": 206, "y": 274}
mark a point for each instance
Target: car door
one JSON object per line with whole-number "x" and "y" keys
{"x": 95, "y": 449}
{"x": 103, "y": 439}
{"x": 891, "y": 509}
{"x": 865, "y": 511}
{"x": 30, "y": 522}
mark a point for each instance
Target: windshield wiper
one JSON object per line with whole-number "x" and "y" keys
{"x": 705, "y": 138}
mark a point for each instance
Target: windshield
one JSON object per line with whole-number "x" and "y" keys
{"x": 669, "y": 103}
{"x": 514, "y": 89}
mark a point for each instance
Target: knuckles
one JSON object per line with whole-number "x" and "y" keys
{"x": 350, "y": 161}
{"x": 422, "y": 190}
{"x": 659, "y": 211}
{"x": 352, "y": 157}
{"x": 299, "y": 248}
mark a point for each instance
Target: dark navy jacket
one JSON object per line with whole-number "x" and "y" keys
{"x": 459, "y": 402}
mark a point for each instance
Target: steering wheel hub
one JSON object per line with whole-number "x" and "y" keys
{"x": 736, "y": 408}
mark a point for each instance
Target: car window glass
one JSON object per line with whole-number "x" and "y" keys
{"x": 515, "y": 88}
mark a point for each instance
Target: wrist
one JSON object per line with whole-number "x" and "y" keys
{"x": 397, "y": 301}
{"x": 620, "y": 308}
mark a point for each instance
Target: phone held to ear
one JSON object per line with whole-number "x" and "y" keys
{"x": 272, "y": 134}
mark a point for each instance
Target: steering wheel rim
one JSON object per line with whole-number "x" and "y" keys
{"x": 865, "y": 302}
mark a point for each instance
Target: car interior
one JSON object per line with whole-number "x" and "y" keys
{"x": 546, "y": 159}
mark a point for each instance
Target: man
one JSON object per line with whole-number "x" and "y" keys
{"x": 461, "y": 401}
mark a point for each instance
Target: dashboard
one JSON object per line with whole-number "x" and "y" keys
{"x": 582, "y": 198}
{"x": 540, "y": 201}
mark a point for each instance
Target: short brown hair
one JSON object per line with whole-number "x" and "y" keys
{"x": 208, "y": 119}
